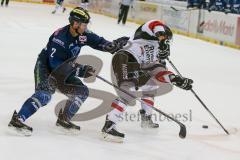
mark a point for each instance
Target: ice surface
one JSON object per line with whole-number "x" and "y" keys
{"x": 24, "y": 31}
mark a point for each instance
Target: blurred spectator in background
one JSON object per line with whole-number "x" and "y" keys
{"x": 59, "y": 5}
{"x": 196, "y": 4}
{"x": 192, "y": 3}
{"x": 218, "y": 5}
{"x": 6, "y": 4}
{"x": 84, "y": 4}
{"x": 235, "y": 6}
{"x": 123, "y": 11}
{"x": 227, "y": 6}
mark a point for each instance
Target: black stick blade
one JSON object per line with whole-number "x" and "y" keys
{"x": 174, "y": 8}
{"x": 183, "y": 131}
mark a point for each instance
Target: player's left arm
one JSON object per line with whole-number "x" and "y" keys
{"x": 102, "y": 44}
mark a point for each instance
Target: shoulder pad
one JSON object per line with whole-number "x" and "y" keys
{"x": 88, "y": 31}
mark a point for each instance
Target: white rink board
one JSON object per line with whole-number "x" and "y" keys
{"x": 220, "y": 26}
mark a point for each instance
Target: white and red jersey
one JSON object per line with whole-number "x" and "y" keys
{"x": 144, "y": 51}
{"x": 144, "y": 44}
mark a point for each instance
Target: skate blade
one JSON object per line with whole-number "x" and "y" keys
{"x": 111, "y": 138}
{"x": 146, "y": 126}
{"x": 64, "y": 131}
{"x": 149, "y": 127}
{"x": 19, "y": 132}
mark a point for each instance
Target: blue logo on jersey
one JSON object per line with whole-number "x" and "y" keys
{"x": 75, "y": 51}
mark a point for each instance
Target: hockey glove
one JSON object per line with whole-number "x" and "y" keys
{"x": 181, "y": 82}
{"x": 116, "y": 45}
{"x": 139, "y": 78}
{"x": 164, "y": 49}
{"x": 85, "y": 71}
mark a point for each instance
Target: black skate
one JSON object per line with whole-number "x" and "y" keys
{"x": 64, "y": 123}
{"x": 110, "y": 133}
{"x": 146, "y": 121}
{"x": 53, "y": 12}
{"x": 64, "y": 9}
{"x": 18, "y": 127}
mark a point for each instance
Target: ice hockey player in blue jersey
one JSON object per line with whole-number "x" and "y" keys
{"x": 218, "y": 5}
{"x": 63, "y": 45}
{"x": 235, "y": 6}
{"x": 59, "y": 5}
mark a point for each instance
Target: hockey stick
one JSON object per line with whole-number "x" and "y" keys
{"x": 191, "y": 9}
{"x": 198, "y": 98}
{"x": 182, "y": 133}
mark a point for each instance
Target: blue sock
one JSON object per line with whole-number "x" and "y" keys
{"x": 28, "y": 108}
{"x": 32, "y": 104}
{"x": 72, "y": 109}
{"x": 74, "y": 104}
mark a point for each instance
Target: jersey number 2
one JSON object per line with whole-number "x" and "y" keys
{"x": 53, "y": 51}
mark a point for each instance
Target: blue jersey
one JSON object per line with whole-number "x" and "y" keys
{"x": 236, "y": 4}
{"x": 221, "y": 4}
{"x": 62, "y": 46}
{"x": 194, "y": 3}
{"x": 60, "y": 1}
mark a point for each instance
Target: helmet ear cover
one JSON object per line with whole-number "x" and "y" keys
{"x": 71, "y": 21}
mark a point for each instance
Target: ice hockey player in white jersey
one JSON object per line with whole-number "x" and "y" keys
{"x": 142, "y": 66}
{"x": 59, "y": 5}
{"x": 84, "y": 4}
